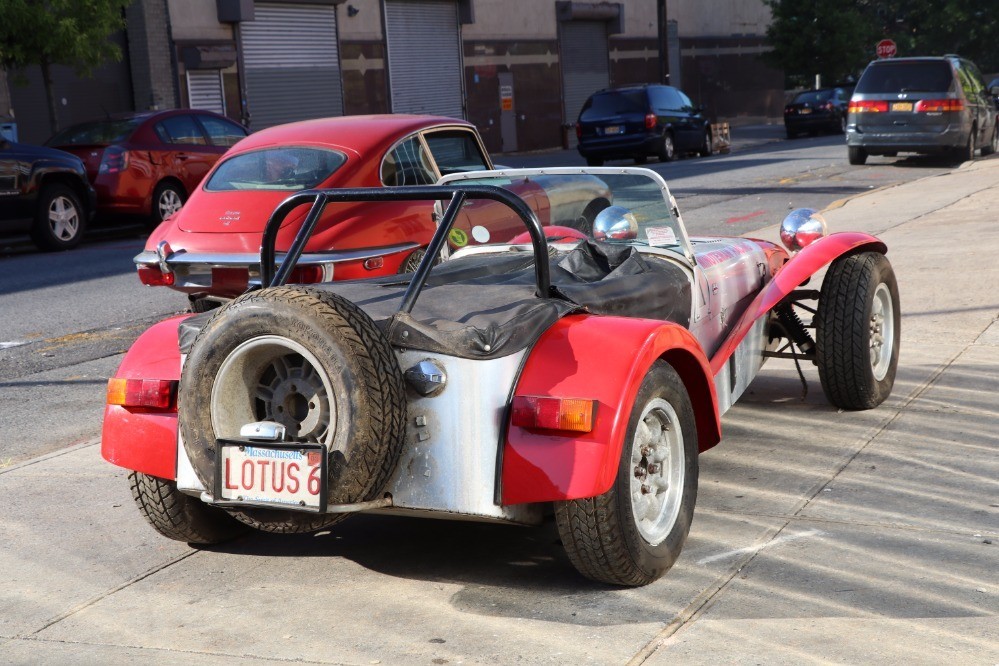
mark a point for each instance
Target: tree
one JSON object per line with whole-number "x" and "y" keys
{"x": 59, "y": 32}
{"x": 831, "y": 38}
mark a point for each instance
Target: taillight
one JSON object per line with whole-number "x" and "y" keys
{"x": 828, "y": 106}
{"x": 374, "y": 263}
{"x": 788, "y": 110}
{"x": 143, "y": 393}
{"x": 115, "y": 160}
{"x": 546, "y": 413}
{"x": 939, "y": 105}
{"x": 579, "y": 131}
{"x": 154, "y": 277}
{"x": 650, "y": 121}
{"x": 867, "y": 106}
{"x": 307, "y": 275}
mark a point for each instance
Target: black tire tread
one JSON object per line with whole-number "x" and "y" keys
{"x": 589, "y": 536}
{"x": 178, "y": 516}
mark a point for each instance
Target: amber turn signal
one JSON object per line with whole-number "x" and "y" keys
{"x": 142, "y": 393}
{"x": 547, "y": 413}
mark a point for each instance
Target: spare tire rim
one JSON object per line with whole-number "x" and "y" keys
{"x": 882, "y": 328}
{"x": 272, "y": 378}
{"x": 64, "y": 218}
{"x": 657, "y": 472}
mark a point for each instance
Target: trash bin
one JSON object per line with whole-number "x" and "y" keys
{"x": 8, "y": 130}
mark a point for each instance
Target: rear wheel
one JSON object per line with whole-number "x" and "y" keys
{"x": 168, "y": 198}
{"x": 857, "y": 331}
{"x": 311, "y": 361}
{"x": 633, "y": 533}
{"x": 706, "y": 147}
{"x": 179, "y": 516}
{"x": 59, "y": 218}
{"x": 993, "y": 144}
{"x": 856, "y": 155}
{"x": 841, "y": 127}
{"x": 791, "y": 134}
{"x": 967, "y": 152}
{"x": 667, "y": 148}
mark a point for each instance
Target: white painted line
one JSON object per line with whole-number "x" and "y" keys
{"x": 12, "y": 343}
{"x": 753, "y": 549}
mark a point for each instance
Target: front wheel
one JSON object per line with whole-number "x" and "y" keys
{"x": 706, "y": 146}
{"x": 856, "y": 155}
{"x": 633, "y": 533}
{"x": 59, "y": 218}
{"x": 179, "y": 516}
{"x": 857, "y": 331}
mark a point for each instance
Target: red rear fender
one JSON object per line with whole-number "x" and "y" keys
{"x": 604, "y": 359}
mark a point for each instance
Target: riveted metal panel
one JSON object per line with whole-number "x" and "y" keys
{"x": 424, "y": 57}
{"x": 585, "y": 66}
{"x": 292, "y": 64}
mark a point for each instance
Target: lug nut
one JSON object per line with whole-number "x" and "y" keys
{"x": 646, "y": 489}
{"x": 639, "y": 472}
{"x": 653, "y": 468}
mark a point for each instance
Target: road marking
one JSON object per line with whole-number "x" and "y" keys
{"x": 753, "y": 549}
{"x": 743, "y": 218}
{"x": 12, "y": 343}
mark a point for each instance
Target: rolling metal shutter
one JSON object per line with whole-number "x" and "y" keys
{"x": 424, "y": 57}
{"x": 585, "y": 67}
{"x": 204, "y": 90}
{"x": 292, "y": 64}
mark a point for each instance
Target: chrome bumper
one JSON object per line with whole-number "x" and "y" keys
{"x": 193, "y": 270}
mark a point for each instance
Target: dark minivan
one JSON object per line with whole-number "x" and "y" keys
{"x": 635, "y": 122}
{"x": 921, "y": 105}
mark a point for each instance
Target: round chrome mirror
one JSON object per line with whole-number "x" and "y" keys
{"x": 615, "y": 223}
{"x": 801, "y": 228}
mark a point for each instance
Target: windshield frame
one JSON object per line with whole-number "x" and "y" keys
{"x": 683, "y": 238}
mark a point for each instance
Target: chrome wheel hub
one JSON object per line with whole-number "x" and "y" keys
{"x": 657, "y": 459}
{"x": 64, "y": 219}
{"x": 882, "y": 331}
{"x": 169, "y": 203}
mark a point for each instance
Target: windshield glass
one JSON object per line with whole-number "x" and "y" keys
{"x": 101, "y": 132}
{"x": 813, "y": 97}
{"x": 290, "y": 168}
{"x": 627, "y": 206}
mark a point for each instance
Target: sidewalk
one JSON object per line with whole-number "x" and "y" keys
{"x": 819, "y": 536}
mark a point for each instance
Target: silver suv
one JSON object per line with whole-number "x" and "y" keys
{"x": 921, "y": 105}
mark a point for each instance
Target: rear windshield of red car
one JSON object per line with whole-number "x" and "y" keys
{"x": 289, "y": 168}
{"x": 906, "y": 77}
{"x": 97, "y": 133}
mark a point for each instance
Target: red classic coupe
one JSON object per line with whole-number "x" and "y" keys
{"x": 210, "y": 248}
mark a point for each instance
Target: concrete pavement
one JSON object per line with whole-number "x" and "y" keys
{"x": 819, "y": 536}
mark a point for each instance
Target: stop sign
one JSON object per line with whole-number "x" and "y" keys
{"x": 887, "y": 49}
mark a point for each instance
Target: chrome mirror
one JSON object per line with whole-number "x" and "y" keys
{"x": 615, "y": 223}
{"x": 801, "y": 228}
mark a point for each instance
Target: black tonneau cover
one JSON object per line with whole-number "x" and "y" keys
{"x": 484, "y": 306}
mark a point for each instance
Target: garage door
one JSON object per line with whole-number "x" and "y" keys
{"x": 424, "y": 55}
{"x": 585, "y": 66}
{"x": 291, "y": 63}
{"x": 204, "y": 90}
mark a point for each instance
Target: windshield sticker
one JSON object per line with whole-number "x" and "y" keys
{"x": 458, "y": 237}
{"x": 659, "y": 236}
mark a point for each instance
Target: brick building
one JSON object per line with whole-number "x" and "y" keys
{"x": 518, "y": 69}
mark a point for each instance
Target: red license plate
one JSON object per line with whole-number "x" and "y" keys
{"x": 289, "y": 476}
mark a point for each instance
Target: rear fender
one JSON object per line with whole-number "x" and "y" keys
{"x": 604, "y": 359}
{"x": 789, "y": 277}
{"x": 146, "y": 441}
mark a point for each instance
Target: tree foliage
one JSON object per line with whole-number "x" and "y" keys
{"x": 837, "y": 38}
{"x": 59, "y": 32}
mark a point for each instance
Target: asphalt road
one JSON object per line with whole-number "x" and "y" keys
{"x": 68, "y": 317}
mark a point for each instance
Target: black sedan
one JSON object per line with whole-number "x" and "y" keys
{"x": 638, "y": 121}
{"x": 814, "y": 111}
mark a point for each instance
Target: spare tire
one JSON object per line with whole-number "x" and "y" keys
{"x": 312, "y": 361}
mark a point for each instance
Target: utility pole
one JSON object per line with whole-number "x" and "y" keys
{"x": 661, "y": 18}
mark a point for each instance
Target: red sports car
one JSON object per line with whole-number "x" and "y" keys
{"x": 210, "y": 248}
{"x": 148, "y": 163}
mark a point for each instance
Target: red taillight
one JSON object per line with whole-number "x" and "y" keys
{"x": 546, "y": 413}
{"x": 154, "y": 277}
{"x": 650, "y": 121}
{"x": 939, "y": 105}
{"x": 579, "y": 131}
{"x": 867, "y": 106}
{"x": 374, "y": 263}
{"x": 828, "y": 106}
{"x": 307, "y": 275}
{"x": 143, "y": 393}
{"x": 115, "y": 160}
{"x": 788, "y": 110}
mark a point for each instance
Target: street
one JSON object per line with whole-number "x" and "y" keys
{"x": 819, "y": 535}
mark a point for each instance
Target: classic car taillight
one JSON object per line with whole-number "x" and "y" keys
{"x": 867, "y": 106}
{"x": 154, "y": 277}
{"x": 547, "y": 413}
{"x": 938, "y": 105}
{"x": 306, "y": 275}
{"x": 142, "y": 393}
{"x": 650, "y": 121}
{"x": 115, "y": 160}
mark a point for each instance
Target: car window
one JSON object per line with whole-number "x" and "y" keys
{"x": 454, "y": 151}
{"x": 664, "y": 98}
{"x": 685, "y": 102}
{"x": 408, "y": 164}
{"x": 101, "y": 132}
{"x": 902, "y": 77}
{"x": 812, "y": 97}
{"x": 286, "y": 168}
{"x": 614, "y": 103}
{"x": 969, "y": 81}
{"x": 222, "y": 132}
{"x": 180, "y": 129}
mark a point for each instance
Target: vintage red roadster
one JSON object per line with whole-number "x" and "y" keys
{"x": 567, "y": 370}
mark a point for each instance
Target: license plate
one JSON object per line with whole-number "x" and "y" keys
{"x": 901, "y": 106}
{"x": 804, "y": 112}
{"x": 279, "y": 475}
{"x": 613, "y": 129}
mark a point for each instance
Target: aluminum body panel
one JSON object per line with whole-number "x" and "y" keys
{"x": 743, "y": 365}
